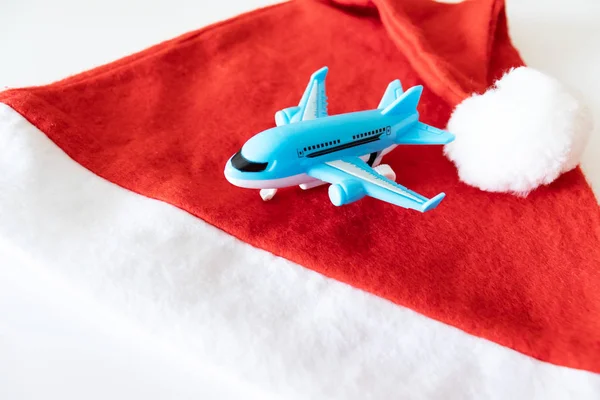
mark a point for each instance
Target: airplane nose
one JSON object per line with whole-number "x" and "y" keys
{"x": 230, "y": 172}
{"x": 235, "y": 176}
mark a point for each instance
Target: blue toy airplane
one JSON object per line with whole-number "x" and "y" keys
{"x": 309, "y": 148}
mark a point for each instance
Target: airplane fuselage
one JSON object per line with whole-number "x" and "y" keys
{"x": 281, "y": 156}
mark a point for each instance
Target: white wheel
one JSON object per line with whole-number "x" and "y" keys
{"x": 267, "y": 194}
{"x": 386, "y": 171}
{"x": 311, "y": 184}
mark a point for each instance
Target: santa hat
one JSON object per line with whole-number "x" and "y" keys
{"x": 297, "y": 296}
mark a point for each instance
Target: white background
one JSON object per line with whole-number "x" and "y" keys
{"x": 57, "y": 343}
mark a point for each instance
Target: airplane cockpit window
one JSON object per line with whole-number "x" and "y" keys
{"x": 242, "y": 164}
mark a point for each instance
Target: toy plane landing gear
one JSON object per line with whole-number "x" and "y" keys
{"x": 267, "y": 194}
{"x": 386, "y": 171}
{"x": 312, "y": 184}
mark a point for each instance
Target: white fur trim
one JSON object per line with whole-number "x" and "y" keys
{"x": 291, "y": 331}
{"x": 522, "y": 133}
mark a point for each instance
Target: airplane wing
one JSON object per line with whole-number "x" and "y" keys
{"x": 352, "y": 179}
{"x": 313, "y": 103}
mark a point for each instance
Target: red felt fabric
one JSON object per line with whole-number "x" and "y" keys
{"x": 523, "y": 272}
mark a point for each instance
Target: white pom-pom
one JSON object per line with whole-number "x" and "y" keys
{"x": 522, "y": 133}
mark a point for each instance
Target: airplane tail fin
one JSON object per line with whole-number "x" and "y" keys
{"x": 406, "y": 103}
{"x": 313, "y": 103}
{"x": 393, "y": 91}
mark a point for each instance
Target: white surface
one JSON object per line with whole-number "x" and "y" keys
{"x": 43, "y": 41}
{"x": 284, "y": 328}
{"x": 53, "y": 344}
{"x": 562, "y": 38}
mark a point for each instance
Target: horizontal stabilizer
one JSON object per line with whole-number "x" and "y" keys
{"x": 422, "y": 133}
{"x": 406, "y": 104}
{"x": 393, "y": 91}
{"x": 284, "y": 117}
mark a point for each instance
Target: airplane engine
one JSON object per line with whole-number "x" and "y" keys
{"x": 346, "y": 192}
